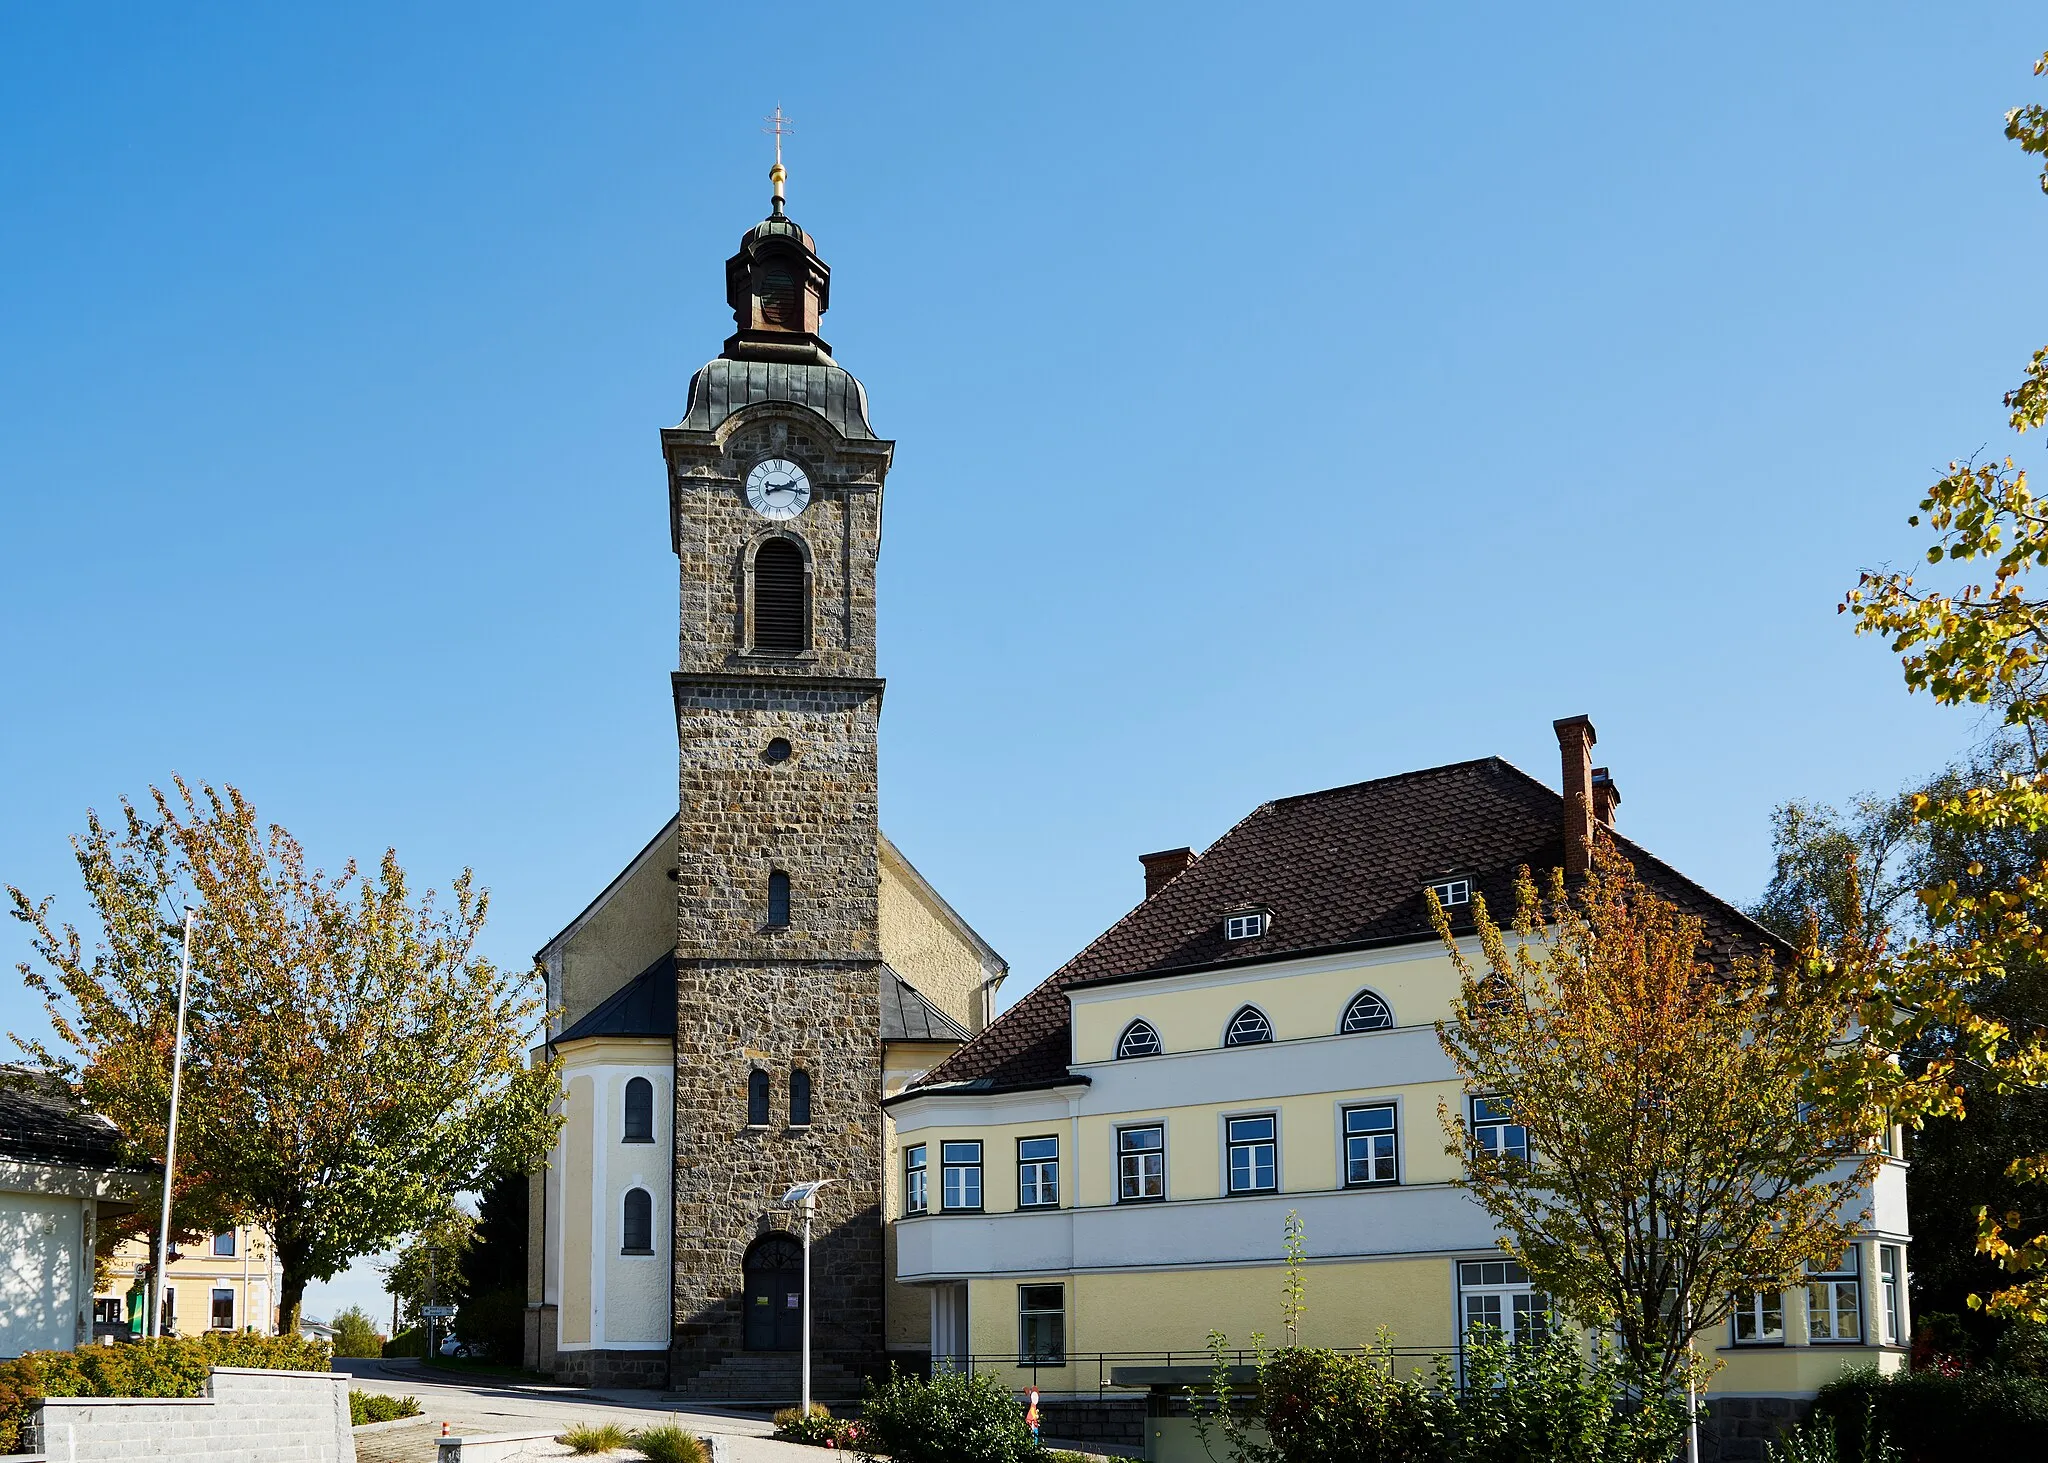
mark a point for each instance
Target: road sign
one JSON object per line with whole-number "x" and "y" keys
{"x": 437, "y": 1311}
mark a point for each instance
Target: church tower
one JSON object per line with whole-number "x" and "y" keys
{"x": 775, "y": 509}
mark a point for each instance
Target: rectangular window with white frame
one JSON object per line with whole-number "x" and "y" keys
{"x": 915, "y": 1194}
{"x": 960, "y": 1165}
{"x": 1253, "y": 1146}
{"x": 1140, "y": 1164}
{"x": 1890, "y": 1279}
{"x": 1495, "y": 1131}
{"x": 1038, "y": 1173}
{"x": 1834, "y": 1302}
{"x": 1042, "y": 1325}
{"x": 1372, "y": 1146}
{"x": 1759, "y": 1318}
{"x": 1451, "y": 892}
{"x": 1496, "y": 1297}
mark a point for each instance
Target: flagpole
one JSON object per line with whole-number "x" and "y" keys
{"x": 163, "y": 1229}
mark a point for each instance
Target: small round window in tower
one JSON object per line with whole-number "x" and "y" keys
{"x": 776, "y": 750}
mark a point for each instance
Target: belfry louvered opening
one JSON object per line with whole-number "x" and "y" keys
{"x": 780, "y": 612}
{"x": 780, "y": 304}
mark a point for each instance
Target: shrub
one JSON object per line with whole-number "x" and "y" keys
{"x": 167, "y": 1366}
{"x": 366, "y": 1407}
{"x": 1932, "y": 1417}
{"x": 586, "y": 1437}
{"x": 412, "y": 1341}
{"x": 494, "y": 1324}
{"x": 1320, "y": 1405}
{"x": 953, "y": 1418}
{"x": 355, "y": 1334}
{"x": 670, "y": 1444}
{"x": 820, "y": 1428}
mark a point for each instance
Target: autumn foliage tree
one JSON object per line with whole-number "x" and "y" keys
{"x": 1680, "y": 1147}
{"x": 351, "y": 1059}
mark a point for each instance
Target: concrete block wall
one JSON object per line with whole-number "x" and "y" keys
{"x": 247, "y": 1416}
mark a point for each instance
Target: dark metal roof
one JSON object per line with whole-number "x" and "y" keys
{"x": 908, "y": 1016}
{"x": 644, "y": 1006}
{"x": 41, "y": 1121}
{"x": 724, "y": 386}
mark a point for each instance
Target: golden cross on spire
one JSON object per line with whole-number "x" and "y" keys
{"x": 778, "y": 127}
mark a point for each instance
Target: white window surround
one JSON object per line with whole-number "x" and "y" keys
{"x": 1140, "y": 1039}
{"x": 1246, "y": 924}
{"x": 1249, "y": 1026}
{"x": 1452, "y": 892}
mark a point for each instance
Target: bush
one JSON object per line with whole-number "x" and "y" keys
{"x": 167, "y": 1366}
{"x": 820, "y": 1428}
{"x": 670, "y": 1444}
{"x": 494, "y": 1324}
{"x": 587, "y": 1437}
{"x": 412, "y": 1341}
{"x": 953, "y": 1418}
{"x": 1320, "y": 1405}
{"x": 355, "y": 1334}
{"x": 1932, "y": 1417}
{"x": 366, "y": 1407}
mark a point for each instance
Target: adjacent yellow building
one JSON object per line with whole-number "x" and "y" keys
{"x": 224, "y": 1282}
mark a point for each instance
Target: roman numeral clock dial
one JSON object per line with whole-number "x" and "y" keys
{"x": 777, "y": 489}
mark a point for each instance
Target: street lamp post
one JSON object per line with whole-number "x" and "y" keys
{"x": 806, "y": 1194}
{"x": 163, "y": 1229}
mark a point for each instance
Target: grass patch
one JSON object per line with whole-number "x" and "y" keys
{"x": 364, "y": 1407}
{"x": 670, "y": 1444}
{"x": 586, "y": 1437}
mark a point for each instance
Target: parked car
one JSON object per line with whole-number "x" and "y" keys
{"x": 453, "y": 1345}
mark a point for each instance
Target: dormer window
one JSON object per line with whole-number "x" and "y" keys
{"x": 1452, "y": 891}
{"x": 1246, "y": 925}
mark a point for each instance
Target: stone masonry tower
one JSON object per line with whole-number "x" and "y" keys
{"x": 775, "y": 489}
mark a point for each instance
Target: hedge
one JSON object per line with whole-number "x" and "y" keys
{"x": 1935, "y": 1418}
{"x": 166, "y": 1366}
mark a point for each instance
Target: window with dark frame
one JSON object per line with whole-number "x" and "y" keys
{"x": 799, "y": 1098}
{"x": 1889, "y": 1277}
{"x": 639, "y": 1114}
{"x": 1249, "y": 1027}
{"x": 1139, "y": 1040}
{"x": 636, "y": 1228}
{"x": 1141, "y": 1164}
{"x": 1038, "y": 1173}
{"x": 222, "y": 1315}
{"x": 108, "y": 1312}
{"x": 224, "y": 1244}
{"x": 1254, "y": 1153}
{"x": 1042, "y": 1325}
{"x": 915, "y": 1196}
{"x": 960, "y": 1175}
{"x": 778, "y": 899}
{"x": 1759, "y": 1318}
{"x": 757, "y": 1098}
{"x": 781, "y": 616}
{"x": 1372, "y": 1153}
{"x": 1367, "y": 1012}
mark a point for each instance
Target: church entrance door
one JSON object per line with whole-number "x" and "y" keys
{"x": 774, "y": 1294}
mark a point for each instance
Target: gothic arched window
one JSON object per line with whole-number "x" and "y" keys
{"x": 757, "y": 1098}
{"x": 1367, "y": 1012}
{"x": 778, "y": 898}
{"x": 1248, "y": 1027}
{"x": 799, "y": 1098}
{"x": 1138, "y": 1040}
{"x": 781, "y": 614}
{"x": 636, "y": 1230}
{"x": 639, "y": 1111}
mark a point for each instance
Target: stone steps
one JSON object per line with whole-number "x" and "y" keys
{"x": 766, "y": 1377}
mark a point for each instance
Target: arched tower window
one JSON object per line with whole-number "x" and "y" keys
{"x": 780, "y": 302}
{"x": 636, "y": 1228}
{"x": 778, "y": 898}
{"x": 1248, "y": 1027}
{"x": 1138, "y": 1040}
{"x": 1367, "y": 1012}
{"x": 757, "y": 1098}
{"x": 639, "y": 1111}
{"x": 782, "y": 616}
{"x": 799, "y": 1098}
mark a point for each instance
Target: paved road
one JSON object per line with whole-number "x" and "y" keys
{"x": 483, "y": 1406}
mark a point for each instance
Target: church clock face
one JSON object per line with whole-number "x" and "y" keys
{"x": 778, "y": 488}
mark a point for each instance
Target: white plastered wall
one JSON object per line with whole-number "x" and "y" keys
{"x": 610, "y": 1301}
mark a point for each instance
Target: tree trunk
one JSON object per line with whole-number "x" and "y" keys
{"x": 291, "y": 1287}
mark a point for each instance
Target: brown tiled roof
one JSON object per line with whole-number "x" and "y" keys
{"x": 1341, "y": 869}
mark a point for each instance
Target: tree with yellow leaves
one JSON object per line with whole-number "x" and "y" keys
{"x": 1685, "y": 1143}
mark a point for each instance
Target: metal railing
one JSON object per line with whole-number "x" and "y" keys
{"x": 1076, "y": 1372}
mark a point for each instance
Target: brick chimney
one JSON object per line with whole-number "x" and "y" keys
{"x": 1606, "y": 796}
{"x": 1575, "y": 739}
{"x": 1161, "y": 867}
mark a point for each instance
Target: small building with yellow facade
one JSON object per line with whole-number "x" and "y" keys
{"x": 1104, "y": 1175}
{"x": 222, "y": 1282}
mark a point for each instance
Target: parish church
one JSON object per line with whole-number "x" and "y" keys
{"x": 731, "y": 1009}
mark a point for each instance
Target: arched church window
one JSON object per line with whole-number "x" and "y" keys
{"x": 639, "y": 1111}
{"x": 778, "y": 898}
{"x": 1248, "y": 1027}
{"x": 1367, "y": 1012}
{"x": 799, "y": 1098}
{"x": 636, "y": 1230}
{"x": 757, "y": 1098}
{"x": 1138, "y": 1040}
{"x": 780, "y": 304}
{"x": 781, "y": 616}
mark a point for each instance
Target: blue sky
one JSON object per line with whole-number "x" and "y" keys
{"x": 1283, "y": 397}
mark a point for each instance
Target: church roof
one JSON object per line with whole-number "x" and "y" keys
{"x": 908, "y": 1016}
{"x": 724, "y": 386}
{"x": 42, "y": 1121}
{"x": 643, "y": 1006}
{"x": 1342, "y": 869}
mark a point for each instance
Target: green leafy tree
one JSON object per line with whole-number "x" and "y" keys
{"x": 1682, "y": 1143}
{"x": 351, "y": 1058}
{"x": 355, "y": 1334}
{"x": 1981, "y": 640}
{"x": 427, "y": 1269}
{"x": 493, "y": 1312}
